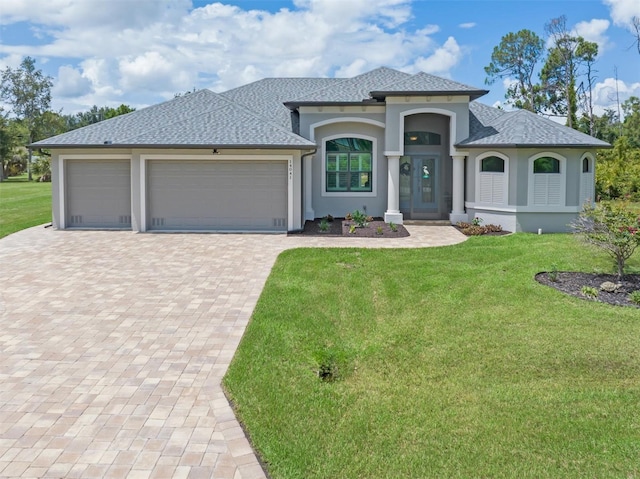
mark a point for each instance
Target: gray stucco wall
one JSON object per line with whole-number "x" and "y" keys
{"x": 394, "y": 139}
{"x": 338, "y": 204}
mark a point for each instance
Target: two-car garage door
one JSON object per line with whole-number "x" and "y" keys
{"x": 178, "y": 195}
{"x": 217, "y": 195}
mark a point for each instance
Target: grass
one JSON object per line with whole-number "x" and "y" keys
{"x": 449, "y": 362}
{"x": 23, "y": 204}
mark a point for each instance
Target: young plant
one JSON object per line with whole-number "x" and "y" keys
{"x": 611, "y": 227}
{"x": 589, "y": 292}
{"x": 379, "y": 230}
{"x": 392, "y": 226}
{"x": 634, "y": 297}
{"x": 352, "y": 229}
{"x": 324, "y": 224}
{"x": 553, "y": 274}
{"x": 360, "y": 219}
{"x": 476, "y": 221}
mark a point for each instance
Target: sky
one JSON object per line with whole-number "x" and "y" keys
{"x": 143, "y": 52}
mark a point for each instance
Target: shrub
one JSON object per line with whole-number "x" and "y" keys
{"x": 611, "y": 227}
{"x": 634, "y": 297}
{"x": 324, "y": 224}
{"x": 589, "y": 292}
{"x": 379, "y": 230}
{"x": 553, "y": 274}
{"x": 392, "y": 226}
{"x": 360, "y": 219}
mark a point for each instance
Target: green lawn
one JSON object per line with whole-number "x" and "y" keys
{"x": 23, "y": 204}
{"x": 452, "y": 362}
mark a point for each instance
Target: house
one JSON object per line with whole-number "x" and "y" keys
{"x": 271, "y": 154}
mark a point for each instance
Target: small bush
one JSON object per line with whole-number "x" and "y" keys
{"x": 474, "y": 230}
{"x": 324, "y": 224}
{"x": 589, "y": 292}
{"x": 379, "y": 230}
{"x": 360, "y": 219}
{"x": 392, "y": 226}
{"x": 634, "y": 297}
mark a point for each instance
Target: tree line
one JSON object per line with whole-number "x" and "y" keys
{"x": 555, "y": 78}
{"x": 28, "y": 93}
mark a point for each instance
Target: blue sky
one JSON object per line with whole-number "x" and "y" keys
{"x": 141, "y": 52}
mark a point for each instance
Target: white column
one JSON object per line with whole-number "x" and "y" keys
{"x": 309, "y": 214}
{"x": 457, "y": 209}
{"x": 393, "y": 190}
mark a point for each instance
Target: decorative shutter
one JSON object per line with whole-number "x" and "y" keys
{"x": 540, "y": 186}
{"x": 486, "y": 187}
{"x": 586, "y": 188}
{"x": 554, "y": 188}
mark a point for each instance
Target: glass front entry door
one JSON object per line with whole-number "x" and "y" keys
{"x": 419, "y": 186}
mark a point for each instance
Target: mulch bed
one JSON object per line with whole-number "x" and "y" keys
{"x": 492, "y": 233}
{"x": 340, "y": 227}
{"x": 572, "y": 283}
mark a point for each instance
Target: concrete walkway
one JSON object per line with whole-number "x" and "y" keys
{"x": 113, "y": 346}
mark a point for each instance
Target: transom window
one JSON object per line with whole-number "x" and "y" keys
{"x": 492, "y": 164}
{"x": 349, "y": 165}
{"x": 422, "y": 138}
{"x": 546, "y": 164}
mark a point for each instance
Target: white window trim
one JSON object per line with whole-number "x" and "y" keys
{"x": 562, "y": 175}
{"x": 374, "y": 168}
{"x": 505, "y": 177}
{"x": 62, "y": 179}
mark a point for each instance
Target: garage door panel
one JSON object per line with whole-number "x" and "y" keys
{"x": 217, "y": 195}
{"x": 98, "y": 193}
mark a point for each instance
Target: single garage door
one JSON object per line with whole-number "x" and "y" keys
{"x": 217, "y": 195}
{"x": 98, "y": 193}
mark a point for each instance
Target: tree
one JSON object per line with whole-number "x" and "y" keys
{"x": 28, "y": 91}
{"x": 635, "y": 23}
{"x": 631, "y": 124}
{"x": 588, "y": 51}
{"x": 94, "y": 115}
{"x": 517, "y": 56}
{"x": 560, "y": 70}
{"x": 611, "y": 227}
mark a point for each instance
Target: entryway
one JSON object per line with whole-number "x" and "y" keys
{"x": 422, "y": 193}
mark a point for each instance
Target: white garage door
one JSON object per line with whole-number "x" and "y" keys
{"x": 98, "y": 193}
{"x": 217, "y": 195}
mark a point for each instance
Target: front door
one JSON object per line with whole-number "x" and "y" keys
{"x": 419, "y": 186}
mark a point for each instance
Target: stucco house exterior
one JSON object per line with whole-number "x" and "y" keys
{"x": 272, "y": 154}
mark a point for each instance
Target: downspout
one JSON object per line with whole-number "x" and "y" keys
{"x": 312, "y": 152}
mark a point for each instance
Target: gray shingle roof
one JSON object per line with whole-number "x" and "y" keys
{"x": 352, "y": 90}
{"x": 266, "y": 97}
{"x": 490, "y": 127}
{"x": 202, "y": 118}
{"x": 425, "y": 84}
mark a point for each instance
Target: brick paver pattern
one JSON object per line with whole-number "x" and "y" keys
{"x": 113, "y": 346}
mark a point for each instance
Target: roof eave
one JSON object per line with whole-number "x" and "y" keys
{"x": 176, "y": 147}
{"x": 531, "y": 145}
{"x": 472, "y": 94}
{"x": 292, "y": 105}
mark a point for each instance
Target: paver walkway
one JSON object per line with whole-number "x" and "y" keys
{"x": 113, "y": 346}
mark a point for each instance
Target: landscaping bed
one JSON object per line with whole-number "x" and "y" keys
{"x": 376, "y": 228}
{"x": 577, "y": 284}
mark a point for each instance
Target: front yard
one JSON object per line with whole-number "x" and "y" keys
{"x": 23, "y": 204}
{"x": 441, "y": 362}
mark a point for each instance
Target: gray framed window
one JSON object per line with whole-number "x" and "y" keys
{"x": 492, "y": 164}
{"x": 349, "y": 165}
{"x": 546, "y": 164}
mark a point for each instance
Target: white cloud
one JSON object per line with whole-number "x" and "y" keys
{"x": 442, "y": 60}
{"x": 467, "y": 25}
{"x": 71, "y": 83}
{"x": 114, "y": 52}
{"x": 605, "y": 95}
{"x": 622, "y": 11}
{"x": 594, "y": 31}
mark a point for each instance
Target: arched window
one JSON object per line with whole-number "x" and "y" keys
{"x": 349, "y": 165}
{"x": 546, "y": 164}
{"x": 492, "y": 179}
{"x": 587, "y": 181}
{"x": 492, "y": 164}
{"x": 547, "y": 180}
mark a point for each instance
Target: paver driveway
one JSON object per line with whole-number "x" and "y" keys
{"x": 113, "y": 346}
